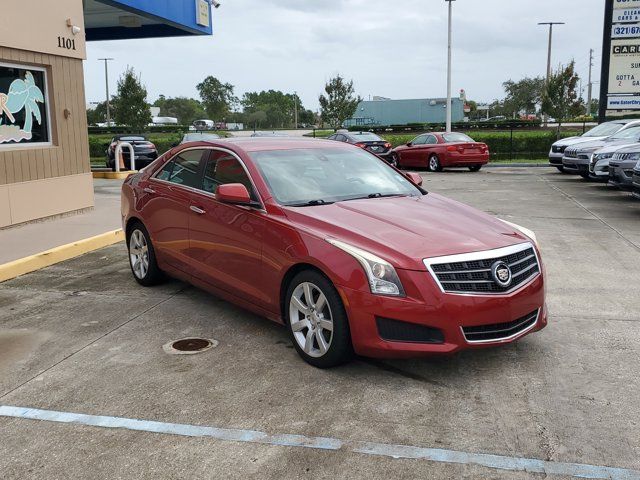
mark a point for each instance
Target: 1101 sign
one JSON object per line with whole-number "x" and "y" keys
{"x": 66, "y": 43}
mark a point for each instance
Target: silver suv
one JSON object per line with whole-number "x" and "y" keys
{"x": 600, "y": 132}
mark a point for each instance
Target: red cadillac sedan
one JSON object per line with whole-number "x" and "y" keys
{"x": 350, "y": 254}
{"x": 442, "y": 150}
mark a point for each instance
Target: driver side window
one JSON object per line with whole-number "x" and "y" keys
{"x": 419, "y": 140}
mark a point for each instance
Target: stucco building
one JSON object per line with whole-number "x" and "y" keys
{"x": 44, "y": 152}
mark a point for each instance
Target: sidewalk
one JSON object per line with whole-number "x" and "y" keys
{"x": 33, "y": 238}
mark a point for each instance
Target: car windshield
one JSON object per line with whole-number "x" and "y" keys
{"x": 633, "y": 132}
{"x": 193, "y": 137}
{"x": 456, "y": 137}
{"x": 319, "y": 176}
{"x": 366, "y": 137}
{"x": 604, "y": 129}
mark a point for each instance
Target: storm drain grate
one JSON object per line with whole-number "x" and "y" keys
{"x": 189, "y": 346}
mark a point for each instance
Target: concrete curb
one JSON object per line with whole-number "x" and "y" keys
{"x": 58, "y": 254}
{"x": 112, "y": 175}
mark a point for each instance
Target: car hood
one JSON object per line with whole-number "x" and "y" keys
{"x": 405, "y": 230}
{"x": 632, "y": 148}
{"x": 576, "y": 140}
{"x": 597, "y": 145}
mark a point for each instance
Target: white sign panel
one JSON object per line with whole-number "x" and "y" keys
{"x": 620, "y": 102}
{"x": 624, "y": 72}
{"x": 625, "y": 31}
{"x": 626, "y": 15}
{"x": 202, "y": 13}
{"x": 618, "y": 4}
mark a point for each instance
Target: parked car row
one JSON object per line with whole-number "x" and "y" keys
{"x": 433, "y": 151}
{"x": 613, "y": 158}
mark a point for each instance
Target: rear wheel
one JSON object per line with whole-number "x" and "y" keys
{"x": 434, "y": 164}
{"x": 142, "y": 256}
{"x": 475, "y": 168}
{"x": 317, "y": 320}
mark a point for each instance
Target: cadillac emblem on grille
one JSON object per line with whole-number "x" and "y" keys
{"x": 501, "y": 273}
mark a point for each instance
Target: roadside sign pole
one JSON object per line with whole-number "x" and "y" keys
{"x": 606, "y": 59}
{"x": 449, "y": 69}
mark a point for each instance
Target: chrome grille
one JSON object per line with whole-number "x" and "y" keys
{"x": 624, "y": 156}
{"x": 571, "y": 153}
{"x": 500, "y": 331}
{"x": 471, "y": 273}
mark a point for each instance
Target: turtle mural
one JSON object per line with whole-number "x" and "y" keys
{"x": 22, "y": 95}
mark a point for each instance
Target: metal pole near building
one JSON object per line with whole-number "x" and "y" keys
{"x": 606, "y": 57}
{"x": 106, "y": 81}
{"x": 590, "y": 86}
{"x": 449, "y": 69}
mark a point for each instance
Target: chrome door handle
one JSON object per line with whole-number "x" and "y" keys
{"x": 199, "y": 211}
{"x": 148, "y": 190}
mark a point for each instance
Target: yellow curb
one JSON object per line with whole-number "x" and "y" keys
{"x": 113, "y": 175}
{"x": 58, "y": 254}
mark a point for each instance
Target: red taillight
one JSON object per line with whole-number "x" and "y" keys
{"x": 113, "y": 145}
{"x": 361, "y": 145}
{"x": 451, "y": 148}
{"x": 387, "y": 145}
{"x": 151, "y": 145}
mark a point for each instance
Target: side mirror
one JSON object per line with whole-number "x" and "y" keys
{"x": 414, "y": 178}
{"x": 409, "y": 144}
{"x": 234, "y": 193}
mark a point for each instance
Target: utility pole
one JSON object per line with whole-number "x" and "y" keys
{"x": 106, "y": 81}
{"x": 449, "y": 68}
{"x": 590, "y": 85}
{"x": 551, "y": 24}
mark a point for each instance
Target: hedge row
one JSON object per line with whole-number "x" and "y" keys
{"x": 98, "y": 144}
{"x": 440, "y": 127}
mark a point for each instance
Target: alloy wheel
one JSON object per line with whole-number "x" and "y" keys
{"x": 434, "y": 164}
{"x": 139, "y": 254}
{"x": 310, "y": 319}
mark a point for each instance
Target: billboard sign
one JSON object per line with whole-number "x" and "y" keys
{"x": 623, "y": 90}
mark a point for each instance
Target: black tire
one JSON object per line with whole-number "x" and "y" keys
{"x": 475, "y": 168}
{"x": 585, "y": 175}
{"x": 433, "y": 164}
{"x": 394, "y": 160}
{"x": 560, "y": 168}
{"x": 339, "y": 349}
{"x": 153, "y": 275}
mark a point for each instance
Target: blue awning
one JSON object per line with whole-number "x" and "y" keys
{"x": 126, "y": 19}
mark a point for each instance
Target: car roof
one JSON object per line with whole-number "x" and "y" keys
{"x": 256, "y": 144}
{"x": 123, "y": 135}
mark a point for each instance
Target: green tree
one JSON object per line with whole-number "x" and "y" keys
{"x": 97, "y": 114}
{"x": 131, "y": 107}
{"x": 560, "y": 99}
{"x": 339, "y": 103}
{"x": 186, "y": 110}
{"x": 523, "y": 96}
{"x": 278, "y": 107}
{"x": 218, "y": 99}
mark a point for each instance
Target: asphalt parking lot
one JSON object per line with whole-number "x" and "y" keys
{"x": 82, "y": 337}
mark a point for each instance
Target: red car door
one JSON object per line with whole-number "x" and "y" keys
{"x": 167, "y": 198}
{"x": 226, "y": 240}
{"x": 410, "y": 155}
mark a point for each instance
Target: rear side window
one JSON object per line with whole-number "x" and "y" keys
{"x": 222, "y": 168}
{"x": 183, "y": 169}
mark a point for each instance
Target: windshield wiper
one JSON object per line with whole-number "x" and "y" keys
{"x": 311, "y": 203}
{"x": 382, "y": 195}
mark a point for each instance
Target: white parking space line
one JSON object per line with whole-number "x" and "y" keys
{"x": 499, "y": 462}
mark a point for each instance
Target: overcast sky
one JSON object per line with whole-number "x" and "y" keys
{"x": 393, "y": 48}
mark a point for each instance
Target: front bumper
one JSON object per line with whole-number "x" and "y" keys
{"x": 555, "y": 158}
{"x": 426, "y": 306}
{"x": 575, "y": 165}
{"x": 600, "y": 170}
{"x": 621, "y": 175}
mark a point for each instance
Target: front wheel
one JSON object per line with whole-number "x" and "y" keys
{"x": 317, "y": 321}
{"x": 142, "y": 256}
{"x": 475, "y": 168}
{"x": 434, "y": 164}
{"x": 393, "y": 160}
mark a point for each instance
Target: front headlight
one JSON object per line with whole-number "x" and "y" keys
{"x": 633, "y": 156}
{"x": 525, "y": 231}
{"x": 383, "y": 279}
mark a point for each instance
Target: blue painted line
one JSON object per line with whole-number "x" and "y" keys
{"x": 500, "y": 462}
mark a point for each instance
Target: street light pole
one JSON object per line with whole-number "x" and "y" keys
{"x": 106, "y": 81}
{"x": 551, "y": 24}
{"x": 449, "y": 68}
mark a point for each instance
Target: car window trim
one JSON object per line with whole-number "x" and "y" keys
{"x": 201, "y": 170}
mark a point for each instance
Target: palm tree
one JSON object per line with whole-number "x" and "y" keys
{"x": 25, "y": 94}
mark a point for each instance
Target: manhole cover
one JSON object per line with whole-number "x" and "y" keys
{"x": 189, "y": 346}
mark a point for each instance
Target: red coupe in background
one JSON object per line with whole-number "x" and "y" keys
{"x": 328, "y": 239}
{"x": 442, "y": 150}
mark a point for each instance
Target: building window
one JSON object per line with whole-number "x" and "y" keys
{"x": 24, "y": 105}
